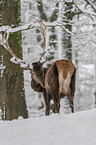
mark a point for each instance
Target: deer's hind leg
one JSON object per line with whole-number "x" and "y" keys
{"x": 54, "y": 86}
{"x": 72, "y": 91}
{"x": 71, "y": 100}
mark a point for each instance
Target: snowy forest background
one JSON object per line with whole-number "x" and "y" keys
{"x": 71, "y": 31}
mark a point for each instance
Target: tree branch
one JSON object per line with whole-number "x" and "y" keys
{"x": 31, "y": 26}
{"x": 91, "y": 4}
{"x": 16, "y": 29}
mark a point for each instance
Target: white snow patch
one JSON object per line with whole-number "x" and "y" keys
{"x": 57, "y": 129}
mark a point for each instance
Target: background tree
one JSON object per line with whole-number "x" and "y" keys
{"x": 68, "y": 13}
{"x": 84, "y": 48}
{"x": 53, "y": 18}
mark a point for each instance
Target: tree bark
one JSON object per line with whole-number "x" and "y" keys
{"x": 13, "y": 103}
{"x": 66, "y": 41}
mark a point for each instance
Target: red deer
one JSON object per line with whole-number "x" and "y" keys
{"x": 55, "y": 82}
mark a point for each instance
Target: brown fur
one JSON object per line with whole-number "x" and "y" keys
{"x": 56, "y": 81}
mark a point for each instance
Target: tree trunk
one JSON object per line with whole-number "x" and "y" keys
{"x": 66, "y": 41}
{"x": 13, "y": 103}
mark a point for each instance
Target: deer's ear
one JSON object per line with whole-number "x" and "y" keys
{"x": 37, "y": 64}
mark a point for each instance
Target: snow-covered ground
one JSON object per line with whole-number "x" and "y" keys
{"x": 57, "y": 129}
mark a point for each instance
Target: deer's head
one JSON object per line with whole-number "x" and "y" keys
{"x": 36, "y": 68}
{"x": 38, "y": 73}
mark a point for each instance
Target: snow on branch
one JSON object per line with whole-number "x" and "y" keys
{"x": 32, "y": 25}
{"x": 88, "y": 12}
{"x": 84, "y": 11}
{"x": 20, "y": 28}
{"x": 91, "y": 3}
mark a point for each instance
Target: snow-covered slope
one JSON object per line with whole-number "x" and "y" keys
{"x": 57, "y": 129}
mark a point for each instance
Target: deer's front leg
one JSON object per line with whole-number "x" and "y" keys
{"x": 47, "y": 102}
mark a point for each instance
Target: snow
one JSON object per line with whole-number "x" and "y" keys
{"x": 57, "y": 129}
